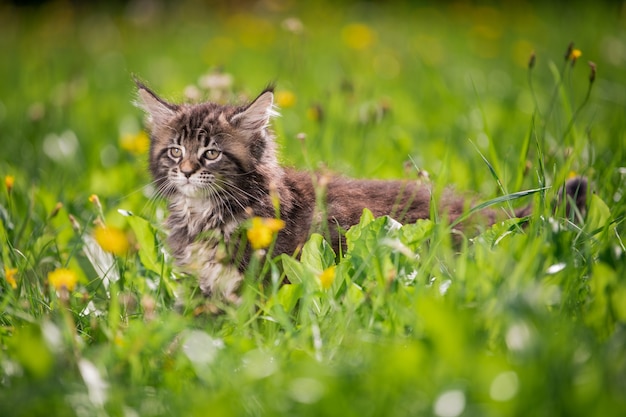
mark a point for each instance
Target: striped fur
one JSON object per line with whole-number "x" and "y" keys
{"x": 217, "y": 166}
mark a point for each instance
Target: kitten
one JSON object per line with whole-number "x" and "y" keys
{"x": 217, "y": 166}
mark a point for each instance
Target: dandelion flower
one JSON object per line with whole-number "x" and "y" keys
{"x": 575, "y": 54}
{"x": 62, "y": 278}
{"x": 135, "y": 143}
{"x": 9, "y": 181}
{"x": 285, "y": 99}
{"x": 358, "y": 36}
{"x": 111, "y": 239}
{"x": 262, "y": 232}
{"x": 327, "y": 277}
{"x": 9, "y": 275}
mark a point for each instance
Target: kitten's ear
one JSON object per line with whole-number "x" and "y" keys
{"x": 257, "y": 114}
{"x": 159, "y": 111}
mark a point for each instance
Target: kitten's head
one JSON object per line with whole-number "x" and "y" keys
{"x": 204, "y": 151}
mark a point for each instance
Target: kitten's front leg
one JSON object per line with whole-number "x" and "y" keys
{"x": 221, "y": 279}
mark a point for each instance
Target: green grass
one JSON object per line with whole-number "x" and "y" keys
{"x": 513, "y": 322}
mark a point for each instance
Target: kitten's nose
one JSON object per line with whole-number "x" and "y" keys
{"x": 188, "y": 168}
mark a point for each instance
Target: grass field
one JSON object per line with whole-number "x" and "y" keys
{"x": 95, "y": 321}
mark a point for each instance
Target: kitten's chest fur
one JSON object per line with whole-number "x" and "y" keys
{"x": 196, "y": 227}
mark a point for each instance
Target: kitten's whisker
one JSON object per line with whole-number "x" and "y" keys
{"x": 229, "y": 185}
{"x": 164, "y": 189}
{"x": 233, "y": 197}
{"x": 137, "y": 190}
{"x": 242, "y": 174}
{"x": 221, "y": 203}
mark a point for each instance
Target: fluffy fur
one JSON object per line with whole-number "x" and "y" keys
{"x": 217, "y": 166}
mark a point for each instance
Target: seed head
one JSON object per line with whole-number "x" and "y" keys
{"x": 56, "y": 209}
{"x": 568, "y": 53}
{"x": 592, "y": 74}
{"x": 531, "y": 60}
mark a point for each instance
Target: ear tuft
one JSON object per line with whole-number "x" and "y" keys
{"x": 257, "y": 114}
{"x": 159, "y": 111}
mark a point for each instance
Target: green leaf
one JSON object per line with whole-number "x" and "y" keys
{"x": 365, "y": 238}
{"x": 601, "y": 285}
{"x": 288, "y": 296}
{"x": 414, "y": 234}
{"x": 354, "y": 295}
{"x": 29, "y": 348}
{"x": 295, "y": 271}
{"x": 146, "y": 238}
{"x": 369, "y": 247}
{"x": 598, "y": 215}
{"x": 499, "y": 230}
{"x": 618, "y": 300}
{"x": 355, "y": 231}
{"x": 317, "y": 254}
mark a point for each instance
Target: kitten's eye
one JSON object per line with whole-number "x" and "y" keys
{"x": 212, "y": 154}
{"x": 176, "y": 152}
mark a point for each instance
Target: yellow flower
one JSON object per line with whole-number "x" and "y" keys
{"x": 62, "y": 278}
{"x": 93, "y": 199}
{"x": 358, "y": 36}
{"x": 575, "y": 54}
{"x": 261, "y": 233}
{"x": 9, "y": 275}
{"x": 9, "y": 181}
{"x": 285, "y": 99}
{"x": 327, "y": 277}
{"x": 111, "y": 239}
{"x": 135, "y": 143}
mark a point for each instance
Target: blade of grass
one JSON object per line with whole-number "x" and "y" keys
{"x": 495, "y": 201}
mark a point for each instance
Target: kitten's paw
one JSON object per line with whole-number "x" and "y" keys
{"x": 220, "y": 280}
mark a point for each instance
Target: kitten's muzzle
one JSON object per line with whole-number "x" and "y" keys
{"x": 188, "y": 167}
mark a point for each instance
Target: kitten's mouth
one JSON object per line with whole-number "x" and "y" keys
{"x": 194, "y": 191}
{"x": 189, "y": 190}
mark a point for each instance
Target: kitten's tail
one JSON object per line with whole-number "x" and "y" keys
{"x": 574, "y": 192}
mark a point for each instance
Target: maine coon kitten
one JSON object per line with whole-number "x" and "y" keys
{"x": 217, "y": 166}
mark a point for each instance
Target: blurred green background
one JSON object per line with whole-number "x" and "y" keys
{"x": 528, "y": 323}
{"x": 392, "y": 80}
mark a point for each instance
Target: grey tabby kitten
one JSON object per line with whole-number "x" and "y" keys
{"x": 217, "y": 166}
